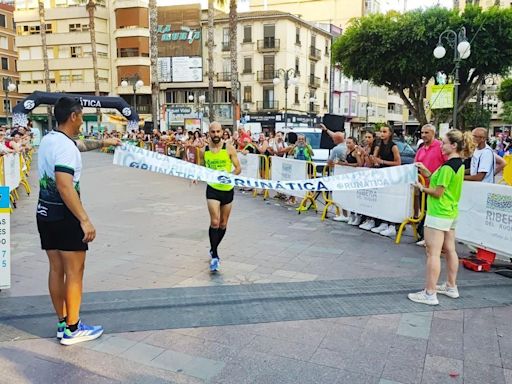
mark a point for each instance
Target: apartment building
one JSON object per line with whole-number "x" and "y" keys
{"x": 122, "y": 48}
{"x": 8, "y": 60}
{"x": 269, "y": 44}
{"x": 336, "y": 12}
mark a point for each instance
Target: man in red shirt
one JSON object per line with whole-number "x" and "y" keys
{"x": 432, "y": 157}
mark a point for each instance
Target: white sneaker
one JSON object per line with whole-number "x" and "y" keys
{"x": 444, "y": 289}
{"x": 351, "y": 219}
{"x": 368, "y": 225}
{"x": 357, "y": 221}
{"x": 423, "y": 297}
{"x": 341, "y": 218}
{"x": 420, "y": 243}
{"x": 380, "y": 228}
{"x": 390, "y": 232}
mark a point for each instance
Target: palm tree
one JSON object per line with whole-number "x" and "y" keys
{"x": 46, "y": 66}
{"x": 233, "y": 19}
{"x": 91, "y": 8}
{"x": 211, "y": 15}
{"x": 153, "y": 27}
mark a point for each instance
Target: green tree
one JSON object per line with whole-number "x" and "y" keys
{"x": 395, "y": 50}
{"x": 506, "y": 115}
{"x": 475, "y": 115}
{"x": 505, "y": 92}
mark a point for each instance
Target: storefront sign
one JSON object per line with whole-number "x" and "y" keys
{"x": 167, "y": 35}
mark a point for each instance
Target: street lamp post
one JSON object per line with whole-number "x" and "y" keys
{"x": 489, "y": 85}
{"x": 310, "y": 96}
{"x": 461, "y": 51}
{"x": 289, "y": 78}
{"x": 8, "y": 87}
{"x": 199, "y": 105}
{"x": 136, "y": 83}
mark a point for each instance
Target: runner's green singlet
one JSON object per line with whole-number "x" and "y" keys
{"x": 219, "y": 161}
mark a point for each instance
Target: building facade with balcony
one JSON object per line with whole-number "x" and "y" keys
{"x": 131, "y": 65}
{"x": 9, "y": 78}
{"x": 267, "y": 43}
{"x": 122, "y": 51}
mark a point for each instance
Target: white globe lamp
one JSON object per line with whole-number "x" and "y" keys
{"x": 439, "y": 52}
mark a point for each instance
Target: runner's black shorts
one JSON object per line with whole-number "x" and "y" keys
{"x": 62, "y": 235}
{"x": 225, "y": 197}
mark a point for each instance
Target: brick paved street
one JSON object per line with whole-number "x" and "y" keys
{"x": 297, "y": 301}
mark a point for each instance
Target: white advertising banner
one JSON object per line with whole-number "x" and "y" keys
{"x": 289, "y": 169}
{"x": 485, "y": 216}
{"x": 186, "y": 69}
{"x": 12, "y": 170}
{"x": 250, "y": 164}
{"x": 392, "y": 204}
{"x": 5, "y": 239}
{"x": 134, "y": 157}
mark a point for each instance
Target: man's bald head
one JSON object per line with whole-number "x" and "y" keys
{"x": 480, "y": 131}
{"x": 480, "y": 137}
{"x": 215, "y": 125}
{"x": 338, "y": 137}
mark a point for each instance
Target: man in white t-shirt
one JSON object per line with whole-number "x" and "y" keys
{"x": 483, "y": 162}
{"x": 63, "y": 224}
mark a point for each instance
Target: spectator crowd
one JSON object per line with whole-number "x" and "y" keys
{"x": 482, "y": 155}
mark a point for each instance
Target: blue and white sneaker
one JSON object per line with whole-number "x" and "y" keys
{"x": 83, "y": 333}
{"x": 214, "y": 264}
{"x": 61, "y": 326}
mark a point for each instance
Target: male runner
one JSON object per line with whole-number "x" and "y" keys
{"x": 219, "y": 156}
{"x": 64, "y": 226}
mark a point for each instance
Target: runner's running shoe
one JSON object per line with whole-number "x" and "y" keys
{"x": 83, "y": 333}
{"x": 214, "y": 264}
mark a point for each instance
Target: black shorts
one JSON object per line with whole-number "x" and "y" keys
{"x": 62, "y": 235}
{"x": 225, "y": 197}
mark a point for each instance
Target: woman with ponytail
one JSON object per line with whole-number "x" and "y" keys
{"x": 443, "y": 195}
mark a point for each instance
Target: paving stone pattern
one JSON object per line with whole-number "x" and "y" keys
{"x": 298, "y": 300}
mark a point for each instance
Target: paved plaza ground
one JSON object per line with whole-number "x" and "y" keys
{"x": 297, "y": 301}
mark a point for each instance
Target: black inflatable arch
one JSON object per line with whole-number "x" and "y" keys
{"x": 20, "y": 111}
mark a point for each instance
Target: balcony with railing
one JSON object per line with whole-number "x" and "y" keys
{"x": 225, "y": 46}
{"x": 315, "y": 53}
{"x": 314, "y": 81}
{"x": 267, "y": 105}
{"x": 267, "y": 76}
{"x": 224, "y": 76}
{"x": 268, "y": 44}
